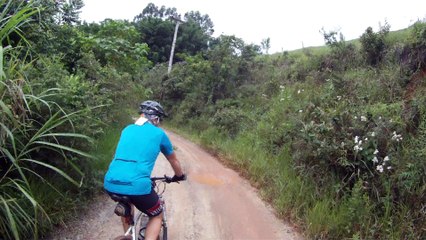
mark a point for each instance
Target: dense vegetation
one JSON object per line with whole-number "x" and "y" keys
{"x": 335, "y": 136}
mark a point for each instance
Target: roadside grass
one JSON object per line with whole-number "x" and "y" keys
{"x": 57, "y": 200}
{"x": 104, "y": 148}
{"x": 310, "y": 196}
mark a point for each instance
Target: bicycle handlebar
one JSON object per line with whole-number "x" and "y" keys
{"x": 165, "y": 179}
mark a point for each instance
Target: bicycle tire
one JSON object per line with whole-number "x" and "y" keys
{"x": 143, "y": 221}
{"x": 163, "y": 233}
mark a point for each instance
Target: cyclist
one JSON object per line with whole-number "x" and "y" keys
{"x": 135, "y": 156}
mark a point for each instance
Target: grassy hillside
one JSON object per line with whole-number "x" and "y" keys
{"x": 333, "y": 136}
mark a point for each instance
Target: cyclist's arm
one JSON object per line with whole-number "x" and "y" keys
{"x": 174, "y": 162}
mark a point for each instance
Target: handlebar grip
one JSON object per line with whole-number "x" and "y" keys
{"x": 168, "y": 179}
{"x": 178, "y": 179}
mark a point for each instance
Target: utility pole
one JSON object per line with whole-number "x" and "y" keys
{"x": 178, "y": 21}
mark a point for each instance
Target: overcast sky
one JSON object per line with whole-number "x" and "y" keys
{"x": 289, "y": 24}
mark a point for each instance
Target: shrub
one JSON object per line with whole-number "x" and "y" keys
{"x": 374, "y": 44}
{"x": 343, "y": 55}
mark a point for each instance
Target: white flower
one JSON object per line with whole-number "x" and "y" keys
{"x": 355, "y": 117}
{"x": 282, "y": 99}
{"x": 282, "y": 87}
{"x": 373, "y": 134}
{"x": 375, "y": 160}
{"x": 300, "y": 110}
{"x": 339, "y": 98}
{"x": 386, "y": 159}
{"x": 389, "y": 167}
{"x": 366, "y": 139}
{"x": 363, "y": 119}
{"x": 357, "y": 148}
{"x": 379, "y": 168}
{"x": 298, "y": 91}
{"x": 396, "y": 137}
{"x": 342, "y": 144}
{"x": 356, "y": 139}
{"x": 376, "y": 152}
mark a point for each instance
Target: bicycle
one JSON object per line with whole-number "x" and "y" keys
{"x": 137, "y": 226}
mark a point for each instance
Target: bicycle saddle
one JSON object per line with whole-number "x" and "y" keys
{"x": 120, "y": 198}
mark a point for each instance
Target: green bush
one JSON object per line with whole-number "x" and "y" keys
{"x": 374, "y": 44}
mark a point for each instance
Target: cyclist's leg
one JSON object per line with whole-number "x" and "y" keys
{"x": 153, "y": 227}
{"x": 150, "y": 204}
{"x": 127, "y": 220}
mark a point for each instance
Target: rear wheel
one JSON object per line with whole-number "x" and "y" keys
{"x": 163, "y": 233}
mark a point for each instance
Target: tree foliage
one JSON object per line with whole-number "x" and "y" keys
{"x": 157, "y": 25}
{"x": 116, "y": 43}
{"x": 343, "y": 54}
{"x": 374, "y": 44}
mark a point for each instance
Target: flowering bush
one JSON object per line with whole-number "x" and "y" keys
{"x": 350, "y": 146}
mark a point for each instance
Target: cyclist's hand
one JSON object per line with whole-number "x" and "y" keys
{"x": 168, "y": 179}
{"x": 178, "y": 178}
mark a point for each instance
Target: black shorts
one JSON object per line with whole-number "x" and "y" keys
{"x": 149, "y": 204}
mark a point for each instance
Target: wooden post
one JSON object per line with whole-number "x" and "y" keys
{"x": 178, "y": 21}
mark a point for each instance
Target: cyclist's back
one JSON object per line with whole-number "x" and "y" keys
{"x": 129, "y": 173}
{"x": 137, "y": 150}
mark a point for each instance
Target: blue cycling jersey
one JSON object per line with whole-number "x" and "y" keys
{"x": 137, "y": 150}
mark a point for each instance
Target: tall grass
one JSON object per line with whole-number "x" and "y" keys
{"x": 31, "y": 145}
{"x": 104, "y": 151}
{"x": 25, "y": 135}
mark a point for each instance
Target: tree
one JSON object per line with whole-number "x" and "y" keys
{"x": 266, "y": 44}
{"x": 158, "y": 34}
{"x": 70, "y": 11}
{"x": 373, "y": 44}
{"x": 156, "y": 28}
{"x": 343, "y": 54}
{"x": 152, "y": 11}
{"x": 59, "y": 11}
{"x": 225, "y": 60}
{"x": 115, "y": 43}
{"x": 203, "y": 21}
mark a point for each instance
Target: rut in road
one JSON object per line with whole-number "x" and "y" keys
{"x": 214, "y": 203}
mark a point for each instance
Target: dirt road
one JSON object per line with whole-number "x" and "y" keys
{"x": 215, "y": 203}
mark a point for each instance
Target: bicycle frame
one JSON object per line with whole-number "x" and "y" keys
{"x": 133, "y": 229}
